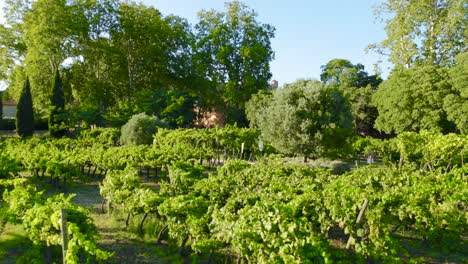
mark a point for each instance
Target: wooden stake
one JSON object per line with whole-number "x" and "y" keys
{"x": 64, "y": 235}
{"x": 358, "y": 220}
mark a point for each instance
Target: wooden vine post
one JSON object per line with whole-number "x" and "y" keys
{"x": 358, "y": 220}
{"x": 63, "y": 226}
{"x": 242, "y": 150}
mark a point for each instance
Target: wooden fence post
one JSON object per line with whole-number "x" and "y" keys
{"x": 63, "y": 225}
{"x": 358, "y": 220}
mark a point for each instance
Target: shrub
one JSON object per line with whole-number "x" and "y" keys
{"x": 140, "y": 129}
{"x": 8, "y": 124}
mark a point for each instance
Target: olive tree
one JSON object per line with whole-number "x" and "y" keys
{"x": 304, "y": 117}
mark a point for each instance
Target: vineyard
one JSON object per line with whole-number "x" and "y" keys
{"x": 200, "y": 196}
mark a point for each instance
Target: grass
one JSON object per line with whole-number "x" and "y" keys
{"x": 13, "y": 243}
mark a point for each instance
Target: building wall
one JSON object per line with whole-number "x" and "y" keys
{"x": 9, "y": 111}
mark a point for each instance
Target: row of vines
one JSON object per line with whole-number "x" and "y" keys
{"x": 266, "y": 211}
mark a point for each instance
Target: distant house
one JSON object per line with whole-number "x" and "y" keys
{"x": 9, "y": 108}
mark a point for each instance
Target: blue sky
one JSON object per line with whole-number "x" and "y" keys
{"x": 309, "y": 33}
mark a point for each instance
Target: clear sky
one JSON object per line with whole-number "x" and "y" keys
{"x": 309, "y": 33}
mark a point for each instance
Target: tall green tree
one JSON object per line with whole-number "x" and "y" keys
{"x": 52, "y": 33}
{"x": 43, "y": 35}
{"x": 12, "y": 46}
{"x": 174, "y": 107}
{"x": 304, "y": 117}
{"x": 412, "y": 99}
{"x": 151, "y": 53}
{"x": 364, "y": 111}
{"x": 91, "y": 77}
{"x": 424, "y": 32}
{"x": 24, "y": 112}
{"x": 143, "y": 54}
{"x": 341, "y": 72}
{"x": 57, "y": 127}
{"x": 456, "y": 103}
{"x": 232, "y": 54}
{"x": 358, "y": 86}
{"x": 152, "y": 48}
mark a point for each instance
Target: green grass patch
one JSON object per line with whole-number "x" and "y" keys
{"x": 13, "y": 243}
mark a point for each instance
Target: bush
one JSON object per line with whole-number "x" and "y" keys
{"x": 40, "y": 123}
{"x": 8, "y": 124}
{"x": 140, "y": 129}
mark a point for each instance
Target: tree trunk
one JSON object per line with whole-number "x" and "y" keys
{"x": 94, "y": 171}
{"x": 161, "y": 232}
{"x": 102, "y": 205}
{"x": 166, "y": 169}
{"x": 128, "y": 219}
{"x": 140, "y": 228}
{"x": 182, "y": 246}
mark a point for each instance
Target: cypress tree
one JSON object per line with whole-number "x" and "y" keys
{"x": 56, "y": 114}
{"x": 24, "y": 112}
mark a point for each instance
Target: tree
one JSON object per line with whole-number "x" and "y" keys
{"x": 232, "y": 54}
{"x": 257, "y": 105}
{"x": 305, "y": 118}
{"x": 138, "y": 38}
{"x": 456, "y": 103}
{"x": 41, "y": 36}
{"x": 412, "y": 100}
{"x": 57, "y": 108}
{"x": 24, "y": 112}
{"x": 341, "y": 72}
{"x": 175, "y": 107}
{"x": 94, "y": 78}
{"x": 152, "y": 49}
{"x": 53, "y": 32}
{"x": 424, "y": 32}
{"x": 364, "y": 111}
{"x": 358, "y": 86}
{"x": 146, "y": 53}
